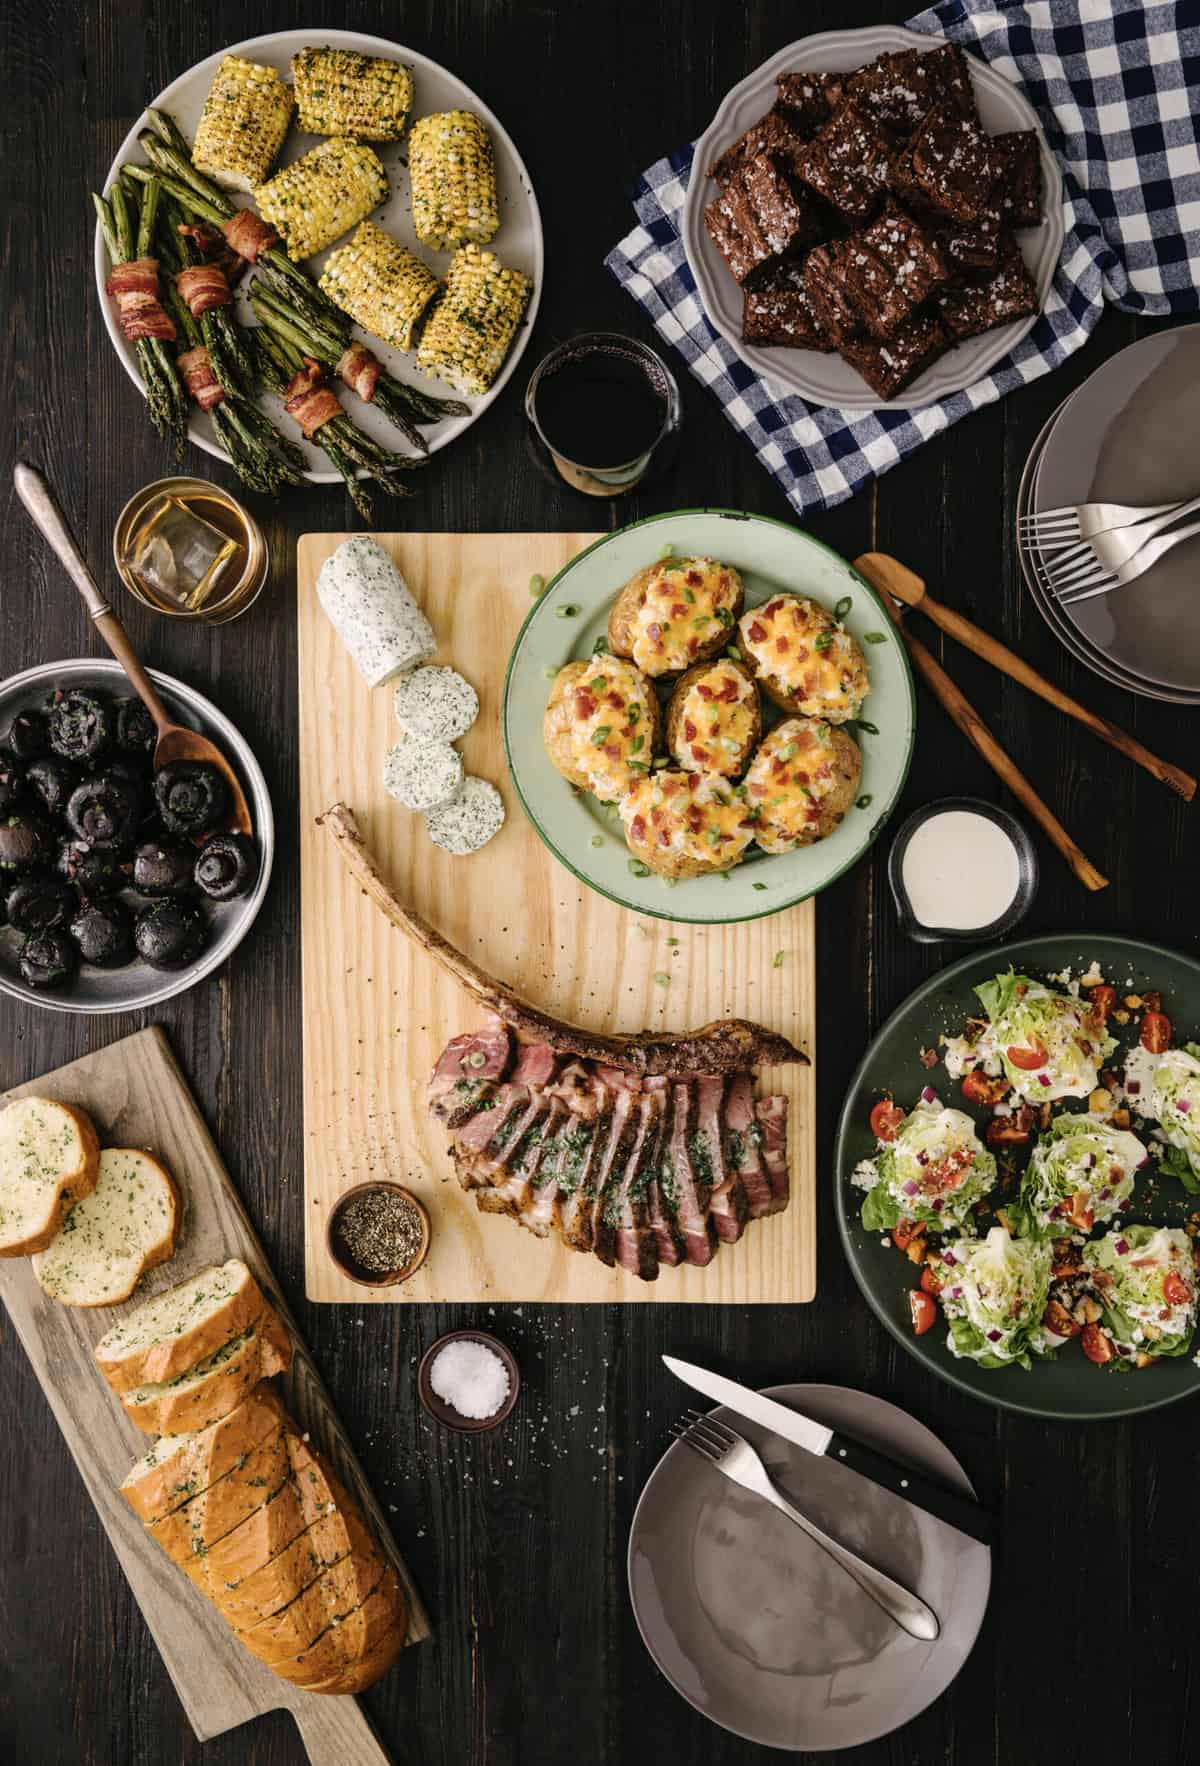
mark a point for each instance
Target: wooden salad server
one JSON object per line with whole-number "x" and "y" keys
{"x": 890, "y": 577}
{"x": 175, "y": 742}
{"x": 879, "y": 571}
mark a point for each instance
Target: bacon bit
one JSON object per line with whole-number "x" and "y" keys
{"x": 797, "y": 615}
{"x": 694, "y": 579}
{"x": 678, "y": 609}
{"x": 249, "y": 235}
{"x": 693, "y": 644}
{"x": 134, "y": 287}
{"x": 705, "y": 692}
{"x": 611, "y": 750}
{"x": 203, "y": 287}
{"x": 199, "y": 378}
{"x": 772, "y": 608}
{"x": 756, "y": 632}
{"x": 812, "y": 814}
{"x": 585, "y": 705}
{"x": 616, "y": 701}
{"x": 360, "y": 370}
{"x": 689, "y": 730}
{"x": 699, "y": 753}
{"x": 692, "y": 782}
{"x": 929, "y": 1059}
{"x": 308, "y": 400}
{"x": 664, "y": 838}
{"x": 214, "y": 248}
{"x": 803, "y": 778}
{"x": 781, "y": 644}
{"x": 731, "y": 691}
{"x": 637, "y": 827}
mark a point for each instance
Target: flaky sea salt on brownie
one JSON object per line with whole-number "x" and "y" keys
{"x": 779, "y": 311}
{"x": 773, "y": 133}
{"x": 848, "y": 162}
{"x": 889, "y": 269}
{"x": 757, "y": 220}
{"x": 951, "y": 165}
{"x": 889, "y": 367}
{"x": 975, "y": 246}
{"x": 832, "y": 308}
{"x": 972, "y": 307}
{"x": 900, "y": 88}
{"x": 807, "y": 99}
{"x": 1020, "y": 189}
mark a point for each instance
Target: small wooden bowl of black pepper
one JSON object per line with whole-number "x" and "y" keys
{"x": 378, "y": 1234}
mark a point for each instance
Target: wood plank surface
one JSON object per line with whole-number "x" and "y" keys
{"x": 137, "y": 1096}
{"x": 378, "y": 1011}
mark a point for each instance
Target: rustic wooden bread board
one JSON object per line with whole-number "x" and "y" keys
{"x": 138, "y": 1097}
{"x": 378, "y": 1011}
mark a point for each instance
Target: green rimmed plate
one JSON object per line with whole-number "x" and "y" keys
{"x": 1068, "y": 1387}
{"x": 770, "y": 555}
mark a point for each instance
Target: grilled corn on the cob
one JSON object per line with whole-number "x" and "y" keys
{"x": 242, "y": 126}
{"x": 475, "y": 320}
{"x": 382, "y": 286}
{"x": 321, "y": 196}
{"x": 452, "y": 167}
{"x": 339, "y": 92}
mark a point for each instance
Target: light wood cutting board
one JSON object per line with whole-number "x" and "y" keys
{"x": 378, "y": 1011}
{"x": 138, "y": 1097}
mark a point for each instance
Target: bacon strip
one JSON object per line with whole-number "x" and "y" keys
{"x": 203, "y": 287}
{"x": 308, "y": 400}
{"x": 248, "y": 234}
{"x": 214, "y": 249}
{"x": 199, "y": 378}
{"x": 360, "y": 370}
{"x": 134, "y": 287}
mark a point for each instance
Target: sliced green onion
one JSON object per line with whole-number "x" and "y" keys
{"x": 668, "y": 551}
{"x": 843, "y": 607}
{"x": 733, "y": 653}
{"x": 566, "y": 610}
{"x": 537, "y": 585}
{"x": 874, "y": 637}
{"x": 662, "y": 979}
{"x": 758, "y": 886}
{"x": 638, "y": 868}
{"x": 823, "y": 640}
{"x": 777, "y": 959}
{"x": 871, "y": 729}
{"x": 550, "y": 672}
{"x": 634, "y": 713}
{"x": 864, "y": 800}
{"x": 600, "y": 647}
{"x": 637, "y": 744}
{"x": 600, "y": 736}
{"x": 672, "y": 942}
{"x": 598, "y": 684}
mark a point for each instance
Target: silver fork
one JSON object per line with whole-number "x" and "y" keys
{"x": 1112, "y": 549}
{"x": 734, "y": 1456}
{"x": 1049, "y": 528}
{"x": 1101, "y": 582}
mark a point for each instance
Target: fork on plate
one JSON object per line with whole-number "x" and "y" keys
{"x": 1110, "y": 560}
{"x": 737, "y": 1460}
{"x": 1050, "y": 528}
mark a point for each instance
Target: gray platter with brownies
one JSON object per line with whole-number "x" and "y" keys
{"x": 873, "y": 217}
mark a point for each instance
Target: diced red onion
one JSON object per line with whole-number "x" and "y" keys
{"x": 1122, "y": 1247}
{"x": 928, "y": 1096}
{"x": 1133, "y": 1087}
{"x": 1085, "y": 1046}
{"x": 956, "y": 1293}
{"x": 1182, "y": 1105}
{"x": 911, "y": 1188}
{"x": 937, "y": 1204}
{"x": 950, "y": 1258}
{"x": 994, "y": 1336}
{"x": 1043, "y": 1079}
{"x": 922, "y": 1158}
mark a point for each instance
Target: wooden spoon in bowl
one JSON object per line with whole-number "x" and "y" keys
{"x": 175, "y": 742}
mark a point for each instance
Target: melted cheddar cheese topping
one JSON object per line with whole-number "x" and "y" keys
{"x": 606, "y": 716}
{"x": 800, "y": 649}
{"x": 694, "y": 816}
{"x": 686, "y": 605}
{"x": 717, "y": 721}
{"x": 797, "y": 768}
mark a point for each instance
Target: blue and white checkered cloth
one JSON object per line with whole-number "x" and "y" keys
{"x": 1116, "y": 85}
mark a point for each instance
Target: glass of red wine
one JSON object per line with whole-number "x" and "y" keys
{"x": 602, "y": 413}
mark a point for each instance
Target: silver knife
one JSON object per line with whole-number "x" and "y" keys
{"x": 960, "y": 1512}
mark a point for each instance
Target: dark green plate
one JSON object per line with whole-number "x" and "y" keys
{"x": 1070, "y": 1386}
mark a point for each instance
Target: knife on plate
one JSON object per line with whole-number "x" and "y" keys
{"x": 960, "y": 1512}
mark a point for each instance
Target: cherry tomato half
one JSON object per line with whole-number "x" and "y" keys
{"x": 1155, "y": 1032}
{"x": 886, "y": 1118}
{"x": 1103, "y": 999}
{"x": 929, "y": 1281}
{"x": 924, "y": 1312}
{"x": 977, "y": 1088}
{"x": 1095, "y": 1345}
{"x": 1175, "y": 1290}
{"x": 1028, "y": 1059}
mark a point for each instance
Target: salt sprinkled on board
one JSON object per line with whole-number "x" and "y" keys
{"x": 470, "y": 1378}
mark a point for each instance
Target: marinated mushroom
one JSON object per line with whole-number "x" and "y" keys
{"x": 27, "y": 736}
{"x": 136, "y": 733}
{"x": 226, "y": 865}
{"x": 25, "y": 841}
{"x": 104, "y": 810}
{"x": 12, "y": 786}
{"x": 81, "y": 725}
{"x": 39, "y": 901}
{"x": 94, "y": 870}
{"x": 170, "y": 934}
{"x": 103, "y": 930}
{"x": 163, "y": 867}
{"x": 48, "y": 959}
{"x": 53, "y": 780}
{"x": 191, "y": 796}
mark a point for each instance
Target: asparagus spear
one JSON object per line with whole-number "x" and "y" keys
{"x": 275, "y": 374}
{"x": 165, "y": 397}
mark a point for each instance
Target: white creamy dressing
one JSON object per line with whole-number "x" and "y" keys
{"x": 960, "y": 869}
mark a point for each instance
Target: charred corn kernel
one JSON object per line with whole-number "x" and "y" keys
{"x": 453, "y": 173}
{"x": 320, "y": 197}
{"x": 468, "y": 333}
{"x": 382, "y": 286}
{"x": 243, "y": 123}
{"x": 339, "y": 92}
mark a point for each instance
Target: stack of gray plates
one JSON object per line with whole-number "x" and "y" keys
{"x": 1131, "y": 434}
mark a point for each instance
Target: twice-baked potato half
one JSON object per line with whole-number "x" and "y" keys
{"x": 601, "y": 725}
{"x": 801, "y": 783}
{"x": 675, "y": 612}
{"x": 714, "y": 718}
{"x": 803, "y": 658}
{"x": 686, "y": 824}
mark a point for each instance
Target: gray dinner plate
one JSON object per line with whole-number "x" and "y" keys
{"x": 1131, "y": 434}
{"x": 758, "y": 1628}
{"x": 137, "y": 985}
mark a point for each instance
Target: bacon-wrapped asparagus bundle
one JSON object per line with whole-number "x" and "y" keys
{"x": 134, "y": 285}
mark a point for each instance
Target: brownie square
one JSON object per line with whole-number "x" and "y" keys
{"x": 888, "y": 367}
{"x": 972, "y": 307}
{"x": 947, "y": 67}
{"x": 805, "y": 99}
{"x": 757, "y": 220}
{"x": 831, "y": 306}
{"x": 950, "y": 166}
{"x": 1020, "y": 188}
{"x": 779, "y": 311}
{"x": 898, "y": 89}
{"x": 788, "y": 218}
{"x": 889, "y": 269}
{"x": 848, "y": 162}
{"x": 974, "y": 247}
{"x": 773, "y": 133}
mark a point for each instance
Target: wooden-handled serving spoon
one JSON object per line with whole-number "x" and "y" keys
{"x": 175, "y": 742}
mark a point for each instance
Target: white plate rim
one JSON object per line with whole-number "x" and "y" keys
{"x": 774, "y": 364}
{"x": 283, "y": 42}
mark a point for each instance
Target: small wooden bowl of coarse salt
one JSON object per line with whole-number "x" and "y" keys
{"x": 468, "y": 1380}
{"x": 378, "y": 1233}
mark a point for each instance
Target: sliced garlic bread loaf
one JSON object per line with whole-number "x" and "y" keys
{"x": 349, "y": 1638}
{"x": 181, "y": 1328}
{"x": 339, "y": 1590}
{"x": 128, "y": 1224}
{"x": 374, "y": 1664}
{"x": 192, "y": 1531}
{"x": 180, "y": 1467}
{"x": 216, "y": 1385}
{"x": 49, "y": 1161}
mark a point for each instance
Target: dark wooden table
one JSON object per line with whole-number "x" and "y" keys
{"x": 519, "y": 1541}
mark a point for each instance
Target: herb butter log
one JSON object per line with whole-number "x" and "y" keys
{"x": 435, "y": 705}
{"x": 128, "y": 1224}
{"x": 49, "y": 1161}
{"x": 369, "y": 605}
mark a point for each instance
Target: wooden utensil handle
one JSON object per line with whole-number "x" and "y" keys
{"x": 336, "y": 1732}
{"x": 48, "y": 517}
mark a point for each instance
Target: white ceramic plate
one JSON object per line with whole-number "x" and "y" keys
{"x": 518, "y": 243}
{"x": 827, "y": 380}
